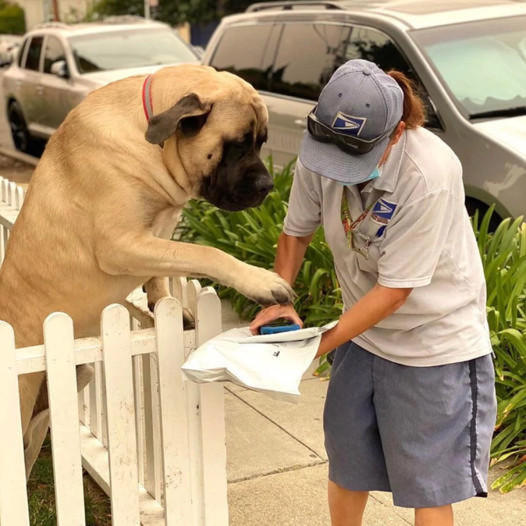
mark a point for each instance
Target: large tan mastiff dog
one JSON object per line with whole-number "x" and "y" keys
{"x": 105, "y": 198}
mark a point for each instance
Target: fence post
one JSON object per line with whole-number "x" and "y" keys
{"x": 64, "y": 417}
{"x": 175, "y": 445}
{"x": 208, "y": 325}
{"x": 13, "y": 492}
{"x": 122, "y": 446}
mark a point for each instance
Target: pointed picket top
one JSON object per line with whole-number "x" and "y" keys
{"x": 56, "y": 318}
{"x": 168, "y": 307}
{"x": 114, "y": 315}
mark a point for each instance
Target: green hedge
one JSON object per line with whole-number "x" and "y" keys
{"x": 252, "y": 235}
{"x": 12, "y": 19}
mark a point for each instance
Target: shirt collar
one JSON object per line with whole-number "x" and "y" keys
{"x": 390, "y": 170}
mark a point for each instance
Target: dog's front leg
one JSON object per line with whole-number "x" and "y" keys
{"x": 150, "y": 256}
{"x": 157, "y": 288}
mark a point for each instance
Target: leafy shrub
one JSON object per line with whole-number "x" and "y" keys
{"x": 12, "y": 19}
{"x": 504, "y": 258}
{"x": 252, "y": 235}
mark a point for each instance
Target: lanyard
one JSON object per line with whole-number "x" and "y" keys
{"x": 350, "y": 226}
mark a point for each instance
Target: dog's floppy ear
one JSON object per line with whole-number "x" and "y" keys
{"x": 161, "y": 126}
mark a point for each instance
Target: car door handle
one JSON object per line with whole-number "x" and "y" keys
{"x": 302, "y": 123}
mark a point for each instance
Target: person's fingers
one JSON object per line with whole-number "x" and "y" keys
{"x": 272, "y": 313}
{"x": 265, "y": 316}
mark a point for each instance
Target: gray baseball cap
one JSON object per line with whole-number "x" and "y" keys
{"x": 360, "y": 103}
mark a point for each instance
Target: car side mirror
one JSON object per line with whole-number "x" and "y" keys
{"x": 60, "y": 69}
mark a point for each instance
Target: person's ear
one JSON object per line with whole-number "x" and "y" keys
{"x": 399, "y": 130}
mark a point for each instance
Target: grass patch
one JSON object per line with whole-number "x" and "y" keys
{"x": 41, "y": 495}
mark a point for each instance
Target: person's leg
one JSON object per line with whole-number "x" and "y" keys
{"x": 439, "y": 516}
{"x": 346, "y": 506}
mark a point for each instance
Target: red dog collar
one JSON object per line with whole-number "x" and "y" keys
{"x": 147, "y": 97}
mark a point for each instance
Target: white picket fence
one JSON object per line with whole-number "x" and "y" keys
{"x": 153, "y": 441}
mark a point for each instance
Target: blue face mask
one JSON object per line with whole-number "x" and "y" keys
{"x": 374, "y": 175}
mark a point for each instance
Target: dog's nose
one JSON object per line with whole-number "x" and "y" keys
{"x": 264, "y": 185}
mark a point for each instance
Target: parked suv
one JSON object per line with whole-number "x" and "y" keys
{"x": 467, "y": 58}
{"x": 59, "y": 64}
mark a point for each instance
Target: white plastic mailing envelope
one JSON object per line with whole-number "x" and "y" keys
{"x": 273, "y": 363}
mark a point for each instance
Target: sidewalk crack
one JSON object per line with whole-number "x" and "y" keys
{"x": 276, "y": 471}
{"x": 275, "y": 423}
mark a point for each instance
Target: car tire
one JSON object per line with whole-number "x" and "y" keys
{"x": 21, "y": 137}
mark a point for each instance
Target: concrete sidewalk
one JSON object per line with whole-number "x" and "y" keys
{"x": 277, "y": 466}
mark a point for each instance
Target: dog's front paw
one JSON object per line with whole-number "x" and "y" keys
{"x": 264, "y": 286}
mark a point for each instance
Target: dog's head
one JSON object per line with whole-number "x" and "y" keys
{"x": 213, "y": 135}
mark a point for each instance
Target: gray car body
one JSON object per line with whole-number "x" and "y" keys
{"x": 492, "y": 152}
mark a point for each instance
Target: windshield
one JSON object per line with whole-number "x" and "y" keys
{"x": 483, "y": 64}
{"x": 128, "y": 49}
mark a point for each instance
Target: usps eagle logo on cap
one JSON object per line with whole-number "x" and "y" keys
{"x": 348, "y": 124}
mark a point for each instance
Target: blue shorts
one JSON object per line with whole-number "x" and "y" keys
{"x": 422, "y": 433}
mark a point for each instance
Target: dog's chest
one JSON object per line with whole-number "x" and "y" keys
{"x": 165, "y": 222}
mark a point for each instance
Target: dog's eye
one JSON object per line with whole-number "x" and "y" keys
{"x": 191, "y": 126}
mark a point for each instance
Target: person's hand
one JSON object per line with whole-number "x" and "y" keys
{"x": 269, "y": 314}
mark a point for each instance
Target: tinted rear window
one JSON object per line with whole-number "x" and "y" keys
{"x": 248, "y": 51}
{"x": 306, "y": 59}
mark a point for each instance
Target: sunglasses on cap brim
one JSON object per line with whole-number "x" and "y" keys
{"x": 349, "y": 144}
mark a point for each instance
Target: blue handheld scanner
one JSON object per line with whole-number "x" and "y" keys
{"x": 274, "y": 329}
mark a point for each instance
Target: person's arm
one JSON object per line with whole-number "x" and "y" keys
{"x": 289, "y": 257}
{"x": 376, "y": 305}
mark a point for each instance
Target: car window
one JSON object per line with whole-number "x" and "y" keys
{"x": 481, "y": 63}
{"x": 22, "y": 51}
{"x": 129, "y": 49}
{"x": 53, "y": 52}
{"x": 248, "y": 51}
{"x": 375, "y": 46}
{"x": 33, "y": 54}
{"x": 372, "y": 45}
{"x": 306, "y": 58}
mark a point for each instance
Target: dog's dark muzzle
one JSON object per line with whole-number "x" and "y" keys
{"x": 248, "y": 192}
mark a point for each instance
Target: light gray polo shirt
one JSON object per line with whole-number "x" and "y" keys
{"x": 415, "y": 233}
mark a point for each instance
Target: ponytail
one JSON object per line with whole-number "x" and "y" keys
{"x": 414, "y": 113}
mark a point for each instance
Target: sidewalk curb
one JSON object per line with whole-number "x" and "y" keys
{"x": 19, "y": 156}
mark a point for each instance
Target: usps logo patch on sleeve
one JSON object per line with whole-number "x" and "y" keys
{"x": 383, "y": 210}
{"x": 382, "y": 213}
{"x": 348, "y": 124}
